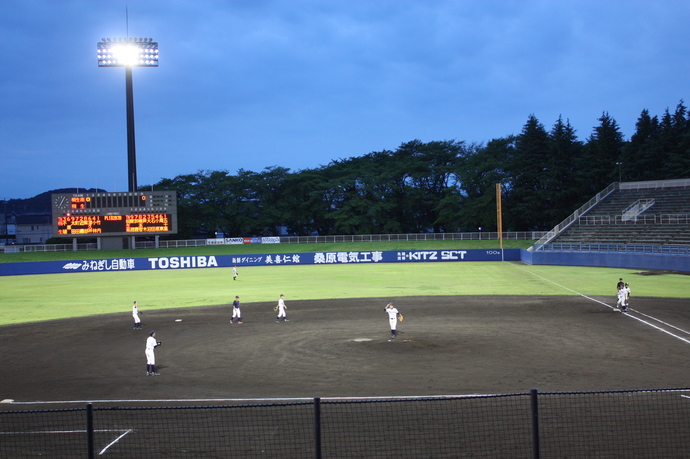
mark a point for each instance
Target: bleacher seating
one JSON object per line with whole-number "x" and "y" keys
{"x": 666, "y": 222}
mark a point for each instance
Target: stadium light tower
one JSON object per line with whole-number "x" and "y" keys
{"x": 128, "y": 53}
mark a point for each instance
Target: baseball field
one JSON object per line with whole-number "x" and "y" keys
{"x": 469, "y": 328}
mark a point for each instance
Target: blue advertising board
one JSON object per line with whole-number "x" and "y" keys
{"x": 270, "y": 259}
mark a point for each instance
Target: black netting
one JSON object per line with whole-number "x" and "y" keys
{"x": 612, "y": 424}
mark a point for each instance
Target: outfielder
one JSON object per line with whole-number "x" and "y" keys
{"x": 281, "y": 309}
{"x": 234, "y": 273}
{"x": 236, "y": 310}
{"x": 393, "y": 314}
{"x": 151, "y": 344}
{"x": 135, "y": 314}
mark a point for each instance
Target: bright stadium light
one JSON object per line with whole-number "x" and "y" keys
{"x": 128, "y": 53}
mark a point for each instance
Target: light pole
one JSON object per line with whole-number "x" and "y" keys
{"x": 128, "y": 53}
{"x": 619, "y": 164}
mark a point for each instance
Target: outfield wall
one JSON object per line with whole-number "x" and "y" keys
{"x": 271, "y": 259}
{"x": 608, "y": 260}
{"x": 593, "y": 259}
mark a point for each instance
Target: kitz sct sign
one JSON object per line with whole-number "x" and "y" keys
{"x": 114, "y": 214}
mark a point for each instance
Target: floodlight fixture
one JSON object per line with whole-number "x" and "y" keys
{"x": 128, "y": 53}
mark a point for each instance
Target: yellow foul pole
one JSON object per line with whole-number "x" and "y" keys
{"x": 499, "y": 214}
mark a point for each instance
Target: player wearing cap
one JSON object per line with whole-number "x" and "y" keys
{"x": 236, "y": 310}
{"x": 626, "y": 302}
{"x": 393, "y": 314}
{"x": 151, "y": 344}
{"x": 620, "y": 303}
{"x": 281, "y": 309}
{"x": 135, "y": 314}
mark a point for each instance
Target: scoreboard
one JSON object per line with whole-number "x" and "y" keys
{"x": 135, "y": 213}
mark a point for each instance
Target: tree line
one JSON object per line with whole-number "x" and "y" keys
{"x": 438, "y": 186}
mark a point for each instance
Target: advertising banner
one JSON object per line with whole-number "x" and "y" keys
{"x": 270, "y": 259}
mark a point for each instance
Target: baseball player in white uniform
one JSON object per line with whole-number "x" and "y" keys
{"x": 236, "y": 311}
{"x": 281, "y": 309}
{"x": 393, "y": 314}
{"x": 151, "y": 344}
{"x": 620, "y": 304}
{"x": 135, "y": 314}
{"x": 626, "y": 289}
{"x": 234, "y": 273}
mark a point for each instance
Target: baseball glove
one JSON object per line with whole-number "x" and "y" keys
{"x": 159, "y": 343}
{"x": 275, "y": 308}
{"x": 400, "y": 317}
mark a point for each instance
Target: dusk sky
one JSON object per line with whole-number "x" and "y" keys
{"x": 299, "y": 83}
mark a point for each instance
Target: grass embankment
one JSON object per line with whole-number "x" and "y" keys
{"x": 265, "y": 248}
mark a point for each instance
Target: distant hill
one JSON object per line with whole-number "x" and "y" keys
{"x": 40, "y": 204}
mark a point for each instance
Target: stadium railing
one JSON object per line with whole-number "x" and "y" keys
{"x": 168, "y": 244}
{"x": 618, "y": 248}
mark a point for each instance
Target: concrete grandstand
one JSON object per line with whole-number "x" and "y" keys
{"x": 648, "y": 213}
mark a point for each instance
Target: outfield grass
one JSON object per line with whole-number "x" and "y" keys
{"x": 243, "y": 249}
{"x": 53, "y": 296}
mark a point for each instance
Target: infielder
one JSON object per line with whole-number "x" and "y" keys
{"x": 626, "y": 289}
{"x": 135, "y": 314}
{"x": 151, "y": 344}
{"x": 234, "y": 273}
{"x": 620, "y": 303}
{"x": 393, "y": 314}
{"x": 236, "y": 310}
{"x": 281, "y": 309}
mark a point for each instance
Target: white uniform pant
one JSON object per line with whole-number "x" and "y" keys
{"x": 150, "y": 357}
{"x": 236, "y": 313}
{"x": 394, "y": 322}
{"x": 136, "y": 318}
{"x": 281, "y": 313}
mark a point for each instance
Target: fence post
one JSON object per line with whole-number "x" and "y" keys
{"x": 317, "y": 427}
{"x": 535, "y": 422}
{"x": 89, "y": 429}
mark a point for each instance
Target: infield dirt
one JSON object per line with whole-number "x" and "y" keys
{"x": 342, "y": 348}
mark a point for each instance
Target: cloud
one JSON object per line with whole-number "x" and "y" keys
{"x": 248, "y": 85}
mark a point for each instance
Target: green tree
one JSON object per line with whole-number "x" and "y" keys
{"x": 367, "y": 194}
{"x": 431, "y": 179}
{"x": 185, "y": 223}
{"x": 641, "y": 156}
{"x": 597, "y": 166}
{"x": 478, "y": 173}
{"x": 192, "y": 207}
{"x": 270, "y": 193}
{"x": 305, "y": 203}
{"x": 529, "y": 196}
{"x": 561, "y": 179}
{"x": 242, "y": 208}
{"x": 673, "y": 140}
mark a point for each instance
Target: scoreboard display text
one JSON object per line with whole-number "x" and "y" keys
{"x": 86, "y": 225}
{"x": 114, "y": 214}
